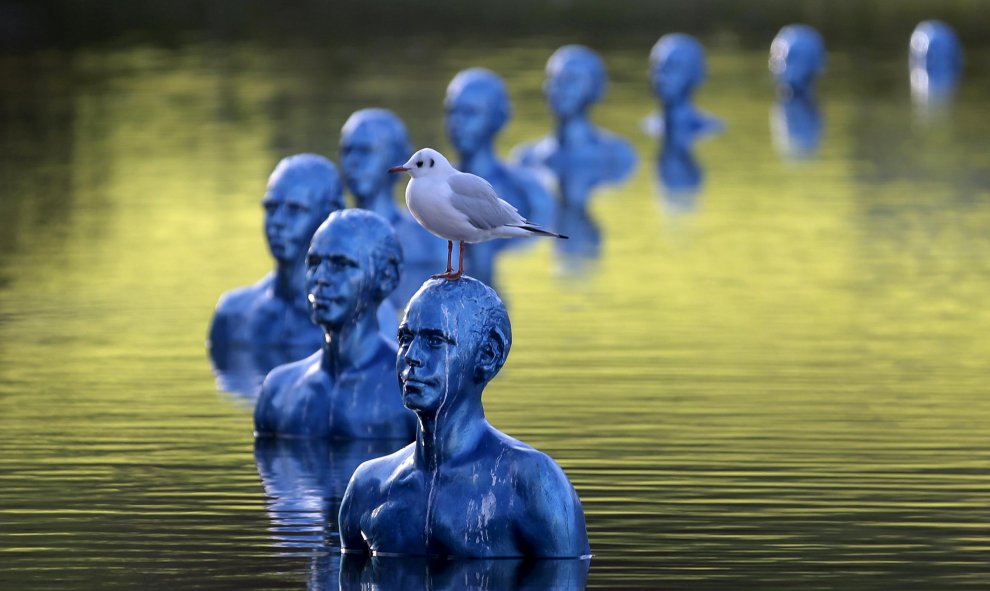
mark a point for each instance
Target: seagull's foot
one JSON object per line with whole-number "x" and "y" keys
{"x": 451, "y": 275}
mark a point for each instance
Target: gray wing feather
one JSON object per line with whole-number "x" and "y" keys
{"x": 478, "y": 201}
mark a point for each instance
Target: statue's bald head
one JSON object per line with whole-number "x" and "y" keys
{"x": 477, "y": 316}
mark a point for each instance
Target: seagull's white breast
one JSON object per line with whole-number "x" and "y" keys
{"x": 429, "y": 201}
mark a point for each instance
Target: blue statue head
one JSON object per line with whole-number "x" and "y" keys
{"x": 936, "y": 60}
{"x": 935, "y": 47}
{"x": 797, "y": 57}
{"x": 575, "y": 80}
{"x": 454, "y": 339}
{"x": 677, "y": 67}
{"x": 353, "y": 264}
{"x": 302, "y": 191}
{"x": 371, "y": 142}
{"x": 477, "y": 107}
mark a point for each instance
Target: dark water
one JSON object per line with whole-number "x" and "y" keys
{"x": 780, "y": 383}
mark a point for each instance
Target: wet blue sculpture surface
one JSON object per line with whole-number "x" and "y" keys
{"x": 260, "y": 326}
{"x": 400, "y": 573}
{"x": 677, "y": 69}
{"x": 462, "y": 488}
{"x": 578, "y": 154}
{"x": 796, "y": 125}
{"x": 372, "y": 141}
{"x": 797, "y": 58}
{"x": 347, "y": 388}
{"x": 476, "y": 109}
{"x": 936, "y": 62}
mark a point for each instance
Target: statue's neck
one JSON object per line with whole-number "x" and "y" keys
{"x": 575, "y": 130}
{"x": 450, "y": 435}
{"x": 351, "y": 345}
{"x": 481, "y": 162}
{"x": 290, "y": 281}
{"x": 380, "y": 202}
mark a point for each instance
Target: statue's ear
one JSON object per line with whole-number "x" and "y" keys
{"x": 494, "y": 351}
{"x": 388, "y": 280}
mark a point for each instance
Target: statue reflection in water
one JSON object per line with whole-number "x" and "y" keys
{"x": 797, "y": 58}
{"x": 371, "y": 142}
{"x": 476, "y": 109}
{"x": 936, "y": 63}
{"x": 260, "y": 326}
{"x": 393, "y": 573}
{"x": 463, "y": 488}
{"x": 304, "y": 481}
{"x": 579, "y": 156}
{"x": 347, "y": 389}
{"x": 677, "y": 69}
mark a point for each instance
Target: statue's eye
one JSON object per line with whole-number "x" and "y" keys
{"x": 419, "y": 164}
{"x": 431, "y": 162}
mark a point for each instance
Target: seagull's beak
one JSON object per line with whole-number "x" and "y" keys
{"x": 398, "y": 169}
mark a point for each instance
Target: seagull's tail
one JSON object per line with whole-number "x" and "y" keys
{"x": 534, "y": 229}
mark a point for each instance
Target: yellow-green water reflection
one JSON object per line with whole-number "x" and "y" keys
{"x": 783, "y": 386}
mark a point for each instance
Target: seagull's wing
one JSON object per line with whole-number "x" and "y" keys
{"x": 477, "y": 200}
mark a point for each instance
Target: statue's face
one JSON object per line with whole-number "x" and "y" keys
{"x": 338, "y": 277}
{"x": 469, "y": 118}
{"x": 794, "y": 63}
{"x": 364, "y": 159}
{"x": 675, "y": 76}
{"x": 437, "y": 351}
{"x": 292, "y": 214}
{"x": 568, "y": 89}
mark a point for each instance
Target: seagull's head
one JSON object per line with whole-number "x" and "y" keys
{"x": 426, "y": 162}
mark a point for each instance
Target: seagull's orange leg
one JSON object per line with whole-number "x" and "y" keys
{"x": 450, "y": 274}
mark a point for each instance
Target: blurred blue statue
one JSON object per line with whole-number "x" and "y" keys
{"x": 304, "y": 481}
{"x": 679, "y": 172}
{"x": 797, "y": 58}
{"x": 462, "y": 488}
{"x": 372, "y": 141}
{"x": 477, "y": 107}
{"x": 266, "y": 324}
{"x": 346, "y": 389}
{"x": 359, "y": 572}
{"x": 936, "y": 61}
{"x": 578, "y": 154}
{"x": 677, "y": 69}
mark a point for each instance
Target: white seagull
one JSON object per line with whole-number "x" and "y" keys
{"x": 459, "y": 206}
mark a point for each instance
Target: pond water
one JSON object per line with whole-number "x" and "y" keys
{"x": 780, "y": 382}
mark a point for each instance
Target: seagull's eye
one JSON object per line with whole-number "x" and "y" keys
{"x": 419, "y": 164}
{"x": 431, "y": 162}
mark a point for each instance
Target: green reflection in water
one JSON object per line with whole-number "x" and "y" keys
{"x": 783, "y": 386}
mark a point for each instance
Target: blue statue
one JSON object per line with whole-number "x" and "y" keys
{"x": 405, "y": 573}
{"x": 677, "y": 69}
{"x": 796, "y": 125}
{"x": 579, "y": 155}
{"x": 477, "y": 107}
{"x": 679, "y": 172}
{"x": 797, "y": 58}
{"x": 936, "y": 60}
{"x": 260, "y": 326}
{"x": 346, "y": 389}
{"x": 462, "y": 488}
{"x": 372, "y": 141}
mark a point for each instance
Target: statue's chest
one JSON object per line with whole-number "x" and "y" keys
{"x": 455, "y": 515}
